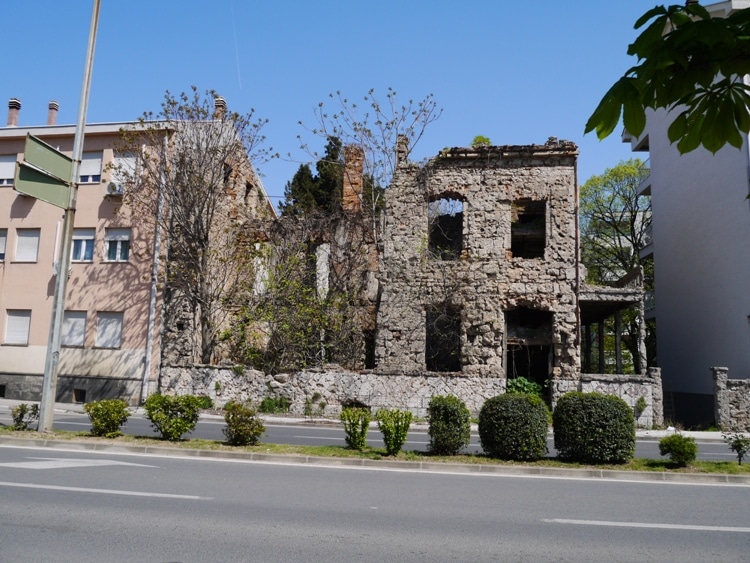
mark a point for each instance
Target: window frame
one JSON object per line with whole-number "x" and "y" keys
{"x": 8, "y": 165}
{"x": 3, "y": 243}
{"x": 89, "y": 173}
{"x": 118, "y": 236}
{"x": 87, "y": 236}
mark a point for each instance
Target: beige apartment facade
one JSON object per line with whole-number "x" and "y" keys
{"x": 110, "y": 336}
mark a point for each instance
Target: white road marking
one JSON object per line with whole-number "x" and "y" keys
{"x": 100, "y": 491}
{"x": 649, "y": 525}
{"x": 64, "y": 463}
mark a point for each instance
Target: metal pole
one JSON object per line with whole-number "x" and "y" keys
{"x": 49, "y": 384}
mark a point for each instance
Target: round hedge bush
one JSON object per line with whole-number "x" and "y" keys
{"x": 682, "y": 450}
{"x": 593, "y": 428}
{"x": 514, "y": 426}
{"x": 449, "y": 425}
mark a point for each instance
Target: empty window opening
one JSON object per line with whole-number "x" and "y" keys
{"x": 528, "y": 228}
{"x": 446, "y": 224}
{"x": 443, "y": 338}
{"x": 2, "y": 391}
{"x": 79, "y": 395}
{"x": 529, "y": 345}
{"x": 369, "y": 342}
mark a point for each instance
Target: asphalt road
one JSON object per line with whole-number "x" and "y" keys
{"x": 317, "y": 434}
{"x": 82, "y": 506}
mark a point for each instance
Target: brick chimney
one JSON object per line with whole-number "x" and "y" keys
{"x": 354, "y": 162}
{"x": 52, "y": 113}
{"x": 220, "y": 107}
{"x": 14, "y": 106}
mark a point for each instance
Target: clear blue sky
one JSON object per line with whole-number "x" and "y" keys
{"x": 517, "y": 72}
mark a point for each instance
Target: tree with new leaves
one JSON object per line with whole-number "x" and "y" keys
{"x": 615, "y": 225}
{"x": 692, "y": 64}
{"x": 375, "y": 126}
{"x": 192, "y": 181}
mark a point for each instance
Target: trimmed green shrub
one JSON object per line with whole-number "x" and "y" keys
{"x": 172, "y": 415}
{"x": 449, "y": 424}
{"x": 514, "y": 426}
{"x": 738, "y": 443}
{"x": 682, "y": 450}
{"x": 394, "y": 426}
{"x": 244, "y": 427}
{"x": 356, "y": 424}
{"x": 593, "y": 428}
{"x": 107, "y": 417}
{"x": 206, "y": 402}
{"x": 23, "y": 415}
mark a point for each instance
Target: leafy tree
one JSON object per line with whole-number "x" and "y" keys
{"x": 615, "y": 226}
{"x": 306, "y": 192}
{"x": 375, "y": 127}
{"x": 192, "y": 183}
{"x": 691, "y": 63}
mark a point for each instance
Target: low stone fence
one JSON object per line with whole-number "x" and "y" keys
{"x": 630, "y": 388}
{"x": 325, "y": 390}
{"x": 731, "y": 401}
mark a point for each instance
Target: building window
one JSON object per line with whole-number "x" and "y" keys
{"x": 17, "y": 327}
{"x": 27, "y": 245}
{"x": 528, "y": 228}
{"x": 73, "y": 328}
{"x": 443, "y": 338}
{"x": 117, "y": 245}
{"x": 108, "y": 330}
{"x": 91, "y": 168}
{"x": 445, "y": 218}
{"x": 83, "y": 245}
{"x": 3, "y": 240}
{"x": 7, "y": 169}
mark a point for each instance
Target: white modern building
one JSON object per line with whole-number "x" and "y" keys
{"x": 701, "y": 252}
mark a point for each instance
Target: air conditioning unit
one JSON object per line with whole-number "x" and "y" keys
{"x": 115, "y": 188}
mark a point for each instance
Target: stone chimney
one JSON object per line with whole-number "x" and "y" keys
{"x": 354, "y": 162}
{"x": 52, "y": 113}
{"x": 220, "y": 107}
{"x": 402, "y": 149}
{"x": 14, "y": 106}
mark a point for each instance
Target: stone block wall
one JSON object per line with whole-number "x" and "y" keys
{"x": 732, "y": 401}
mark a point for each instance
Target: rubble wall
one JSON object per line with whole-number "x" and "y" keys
{"x": 732, "y": 401}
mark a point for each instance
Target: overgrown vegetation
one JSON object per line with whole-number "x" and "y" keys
{"x": 244, "y": 427}
{"x": 524, "y": 386}
{"x": 356, "y": 421}
{"x": 593, "y": 428}
{"x": 107, "y": 417}
{"x": 514, "y": 426}
{"x": 449, "y": 425}
{"x": 172, "y": 416}
{"x": 24, "y": 415}
{"x": 274, "y": 405}
{"x": 394, "y": 426}
{"x": 682, "y": 450}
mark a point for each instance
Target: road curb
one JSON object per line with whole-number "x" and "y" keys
{"x": 426, "y": 466}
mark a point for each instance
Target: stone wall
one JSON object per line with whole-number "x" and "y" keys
{"x": 335, "y": 387}
{"x": 483, "y": 279}
{"x": 732, "y": 401}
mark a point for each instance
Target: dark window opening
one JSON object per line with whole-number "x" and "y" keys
{"x": 528, "y": 229}
{"x": 79, "y": 395}
{"x": 446, "y": 224}
{"x": 443, "y": 338}
{"x": 529, "y": 345}
{"x": 369, "y": 338}
{"x": 2, "y": 391}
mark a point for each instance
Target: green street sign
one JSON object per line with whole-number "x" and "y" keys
{"x": 38, "y": 184}
{"x": 48, "y": 159}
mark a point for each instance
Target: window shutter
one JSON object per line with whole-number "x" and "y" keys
{"x": 7, "y": 168}
{"x": 3, "y": 238}
{"x": 73, "y": 328}
{"x": 27, "y": 245}
{"x": 17, "y": 328}
{"x": 91, "y": 164}
{"x": 109, "y": 330}
{"x": 125, "y": 163}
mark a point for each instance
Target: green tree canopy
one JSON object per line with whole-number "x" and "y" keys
{"x": 305, "y": 192}
{"x": 691, "y": 63}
